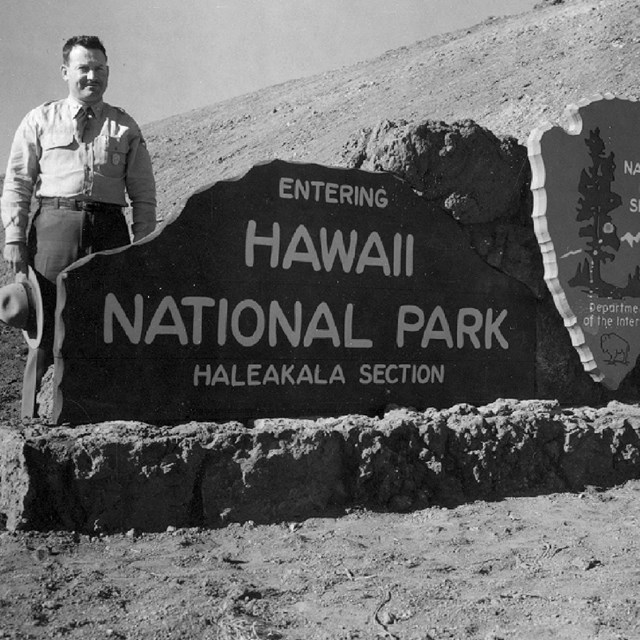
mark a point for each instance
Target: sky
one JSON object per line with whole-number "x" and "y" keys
{"x": 171, "y": 56}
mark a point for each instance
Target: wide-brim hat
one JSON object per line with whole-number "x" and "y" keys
{"x": 21, "y": 306}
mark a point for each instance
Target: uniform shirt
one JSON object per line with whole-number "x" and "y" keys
{"x": 46, "y": 159}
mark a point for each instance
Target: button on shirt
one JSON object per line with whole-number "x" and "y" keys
{"x": 47, "y": 160}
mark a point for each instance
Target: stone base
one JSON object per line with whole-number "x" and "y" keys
{"x": 121, "y": 475}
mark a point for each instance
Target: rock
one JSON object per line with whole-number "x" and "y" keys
{"x": 481, "y": 180}
{"x": 386, "y": 618}
{"x": 40, "y": 554}
{"x": 44, "y": 400}
{"x": 220, "y": 474}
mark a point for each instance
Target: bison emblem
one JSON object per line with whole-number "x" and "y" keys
{"x": 615, "y": 347}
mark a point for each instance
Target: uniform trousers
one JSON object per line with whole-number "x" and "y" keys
{"x": 60, "y": 234}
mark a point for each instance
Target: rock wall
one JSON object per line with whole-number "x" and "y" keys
{"x": 118, "y": 476}
{"x": 484, "y": 182}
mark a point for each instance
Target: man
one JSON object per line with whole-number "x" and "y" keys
{"x": 77, "y": 156}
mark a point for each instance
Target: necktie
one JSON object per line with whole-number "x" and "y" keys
{"x": 83, "y": 117}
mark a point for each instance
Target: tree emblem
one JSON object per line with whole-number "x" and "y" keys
{"x": 595, "y": 205}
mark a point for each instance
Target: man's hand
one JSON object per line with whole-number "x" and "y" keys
{"x": 16, "y": 254}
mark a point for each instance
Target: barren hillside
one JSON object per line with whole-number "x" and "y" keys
{"x": 508, "y": 74}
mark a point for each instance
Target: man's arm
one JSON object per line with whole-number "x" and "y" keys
{"x": 141, "y": 188}
{"x": 16, "y": 254}
{"x": 19, "y": 183}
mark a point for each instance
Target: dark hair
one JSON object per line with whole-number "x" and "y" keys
{"x": 88, "y": 42}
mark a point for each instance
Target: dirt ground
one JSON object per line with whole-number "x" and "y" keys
{"x": 555, "y": 566}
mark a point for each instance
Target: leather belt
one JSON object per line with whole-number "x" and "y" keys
{"x": 80, "y": 205}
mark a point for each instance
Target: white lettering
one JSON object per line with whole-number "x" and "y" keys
{"x": 258, "y": 332}
{"x": 367, "y": 260}
{"x": 408, "y": 264}
{"x": 472, "y": 326}
{"x": 366, "y": 196}
{"x": 381, "y": 198}
{"x": 256, "y": 374}
{"x": 197, "y": 374}
{"x": 248, "y": 322}
{"x": 305, "y": 375}
{"x": 492, "y": 328}
{"x": 349, "y": 340}
{"x": 301, "y": 248}
{"x": 285, "y": 188}
{"x": 277, "y": 317}
{"x": 293, "y": 255}
{"x": 346, "y": 194}
{"x": 315, "y": 332}
{"x": 405, "y": 325}
{"x": 337, "y": 375}
{"x": 251, "y": 240}
{"x": 220, "y": 376}
{"x": 253, "y": 373}
{"x": 223, "y": 312}
{"x": 332, "y": 192}
{"x": 176, "y": 328}
{"x": 470, "y": 330}
{"x": 112, "y": 308}
{"x": 432, "y": 333}
{"x": 631, "y": 167}
{"x": 390, "y": 374}
{"x": 198, "y": 303}
{"x": 337, "y": 248}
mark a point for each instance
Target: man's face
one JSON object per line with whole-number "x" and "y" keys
{"x": 86, "y": 74}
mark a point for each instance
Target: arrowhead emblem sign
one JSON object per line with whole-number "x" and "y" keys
{"x": 586, "y": 213}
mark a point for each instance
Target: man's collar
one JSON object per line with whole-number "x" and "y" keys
{"x": 76, "y": 105}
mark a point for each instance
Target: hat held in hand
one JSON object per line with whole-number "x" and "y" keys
{"x": 21, "y": 307}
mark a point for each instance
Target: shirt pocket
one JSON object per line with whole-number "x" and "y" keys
{"x": 111, "y": 156}
{"x": 59, "y": 151}
{"x": 56, "y": 140}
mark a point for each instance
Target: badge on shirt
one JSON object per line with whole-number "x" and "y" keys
{"x": 115, "y": 158}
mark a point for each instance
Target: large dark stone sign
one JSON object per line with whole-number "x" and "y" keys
{"x": 586, "y": 186}
{"x": 297, "y": 290}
